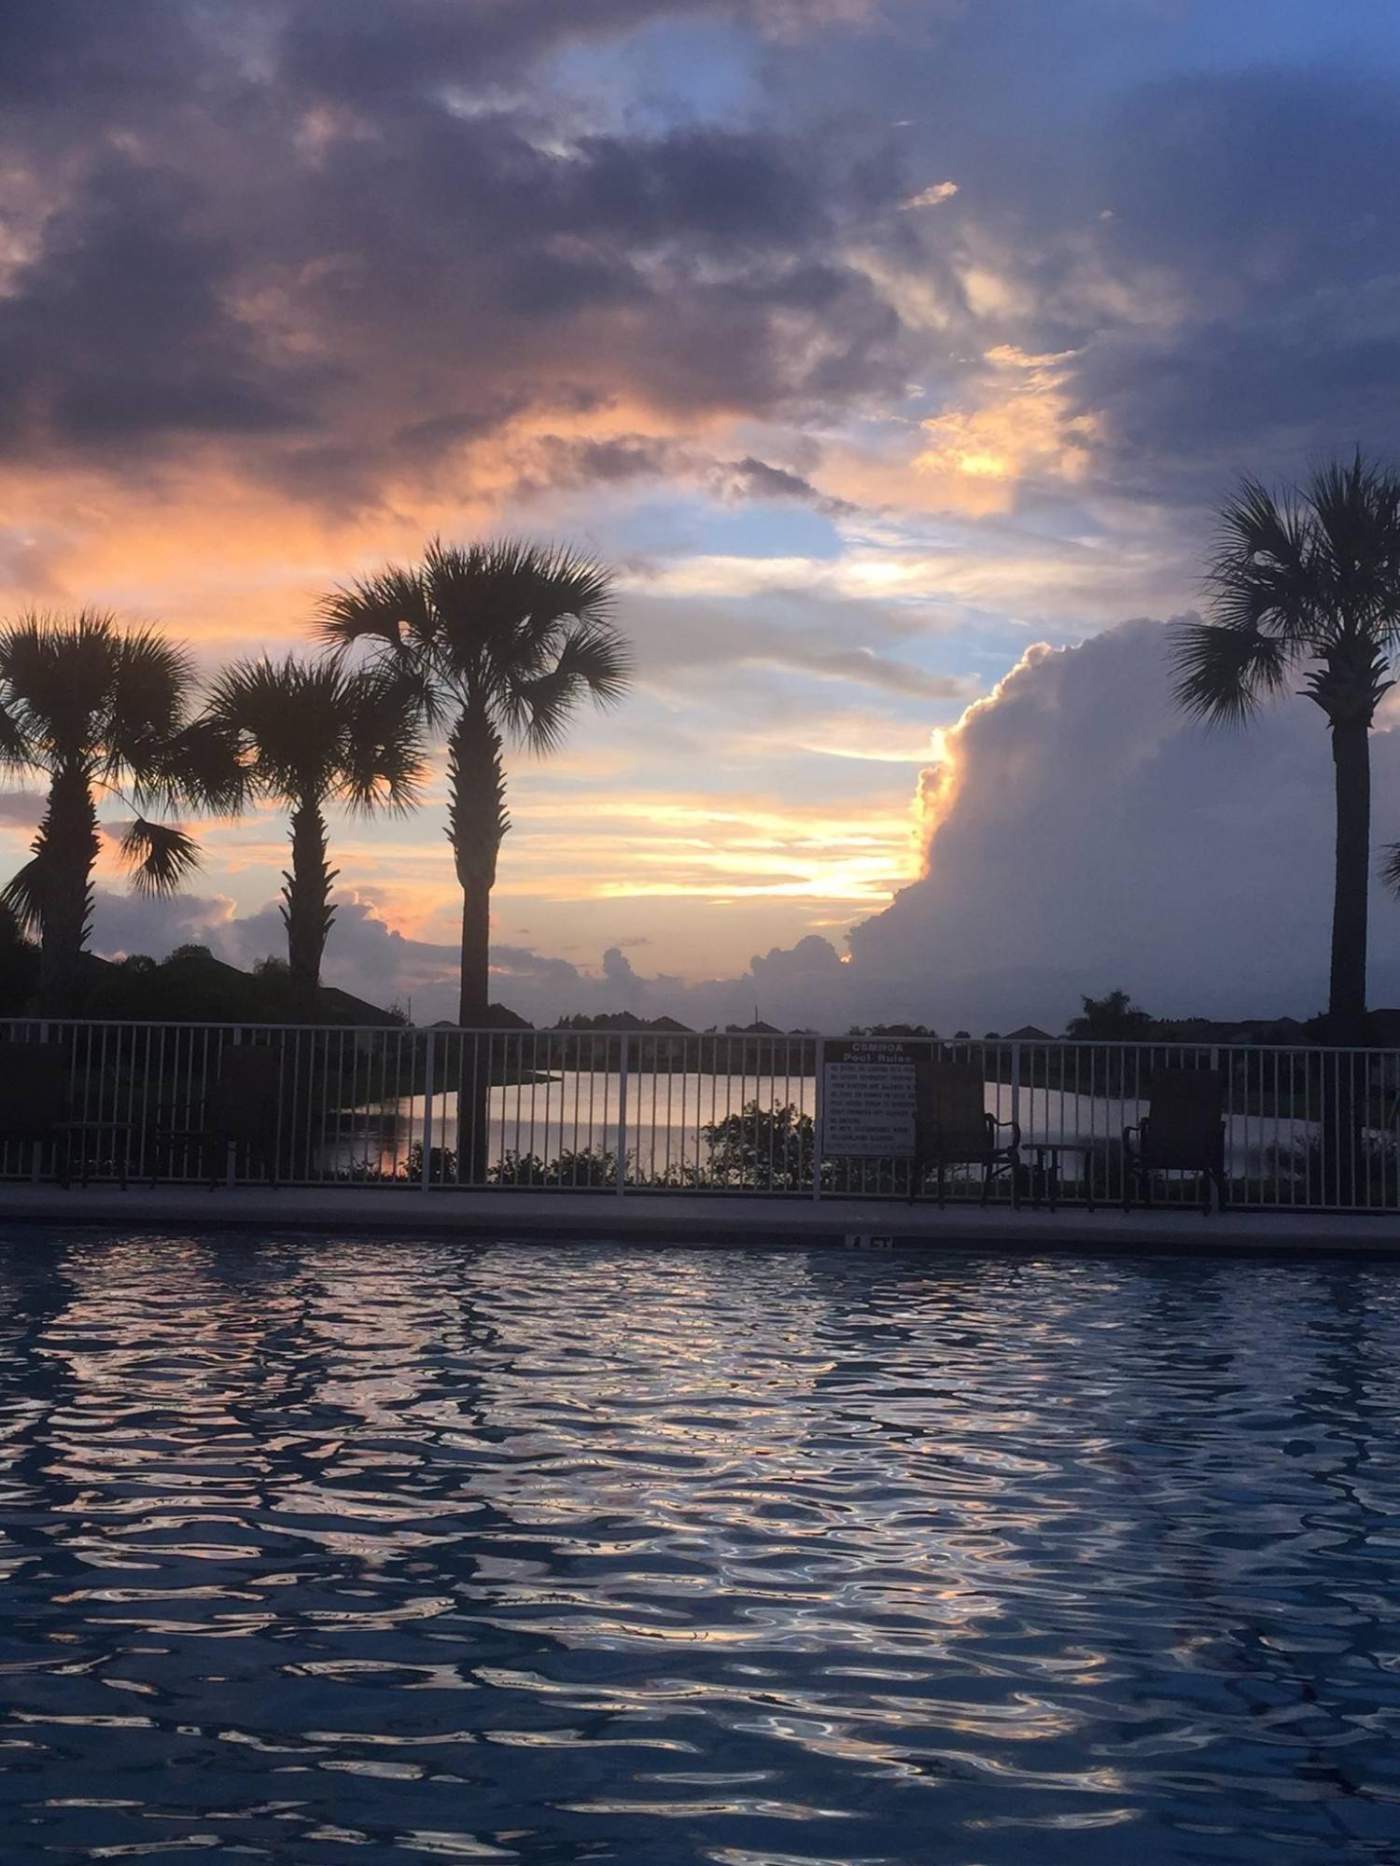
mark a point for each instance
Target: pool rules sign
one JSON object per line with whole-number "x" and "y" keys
{"x": 868, "y": 1097}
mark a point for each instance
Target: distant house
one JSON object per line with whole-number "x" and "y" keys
{"x": 498, "y": 1017}
{"x": 1029, "y": 1033}
{"x": 343, "y": 1007}
{"x": 1274, "y": 1032}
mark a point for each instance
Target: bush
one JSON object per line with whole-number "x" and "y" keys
{"x": 769, "y": 1149}
{"x": 582, "y": 1167}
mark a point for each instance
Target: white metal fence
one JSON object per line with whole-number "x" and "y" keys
{"x": 1307, "y": 1128}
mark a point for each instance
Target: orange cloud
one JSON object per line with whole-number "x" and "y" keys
{"x": 975, "y": 457}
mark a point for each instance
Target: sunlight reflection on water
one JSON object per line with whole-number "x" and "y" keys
{"x": 342, "y": 1550}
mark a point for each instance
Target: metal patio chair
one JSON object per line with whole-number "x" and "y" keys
{"x": 37, "y": 1099}
{"x": 952, "y": 1128}
{"x": 1183, "y": 1131}
{"x": 238, "y": 1112}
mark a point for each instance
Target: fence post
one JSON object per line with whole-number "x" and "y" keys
{"x": 622, "y": 1062}
{"x": 817, "y": 1120}
{"x": 426, "y": 1174}
{"x": 231, "y": 1147}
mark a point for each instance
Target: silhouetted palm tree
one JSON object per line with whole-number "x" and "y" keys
{"x": 99, "y": 710}
{"x": 1307, "y": 585}
{"x": 500, "y": 640}
{"x": 309, "y": 734}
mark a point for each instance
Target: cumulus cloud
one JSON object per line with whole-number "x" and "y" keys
{"x": 1082, "y": 835}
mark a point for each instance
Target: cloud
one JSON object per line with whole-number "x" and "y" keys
{"x": 337, "y": 247}
{"x": 21, "y": 808}
{"x": 368, "y": 957}
{"x": 675, "y": 636}
{"x": 751, "y": 478}
{"x": 933, "y": 196}
{"x": 118, "y": 329}
{"x": 1026, "y": 428}
{"x": 125, "y": 923}
{"x": 1082, "y": 835}
{"x": 552, "y": 461}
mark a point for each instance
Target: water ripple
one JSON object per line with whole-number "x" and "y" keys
{"x": 320, "y": 1550}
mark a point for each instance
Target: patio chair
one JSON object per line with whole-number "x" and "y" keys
{"x": 238, "y": 1111}
{"x": 952, "y": 1128}
{"x": 36, "y": 1105}
{"x": 1183, "y": 1131}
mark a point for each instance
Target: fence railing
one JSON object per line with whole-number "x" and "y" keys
{"x": 1307, "y": 1128}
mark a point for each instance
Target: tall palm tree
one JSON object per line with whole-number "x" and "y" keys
{"x": 1306, "y": 585}
{"x": 307, "y": 735}
{"x": 500, "y": 641}
{"x": 100, "y": 712}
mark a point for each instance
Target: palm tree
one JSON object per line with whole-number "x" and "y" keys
{"x": 100, "y": 711}
{"x": 1306, "y": 585}
{"x": 500, "y": 641}
{"x": 310, "y": 734}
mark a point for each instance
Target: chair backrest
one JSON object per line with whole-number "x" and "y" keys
{"x": 952, "y": 1108}
{"x": 34, "y": 1081}
{"x": 1185, "y": 1110}
{"x": 244, "y": 1095}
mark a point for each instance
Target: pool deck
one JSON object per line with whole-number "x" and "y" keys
{"x": 725, "y": 1220}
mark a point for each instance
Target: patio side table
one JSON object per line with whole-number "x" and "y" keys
{"x": 1044, "y": 1173}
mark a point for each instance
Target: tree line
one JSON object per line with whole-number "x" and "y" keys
{"x": 482, "y": 645}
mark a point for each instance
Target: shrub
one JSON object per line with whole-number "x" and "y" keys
{"x": 771, "y": 1149}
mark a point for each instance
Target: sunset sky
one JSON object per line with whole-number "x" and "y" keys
{"x": 873, "y": 341}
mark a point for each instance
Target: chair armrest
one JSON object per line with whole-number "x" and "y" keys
{"x": 1015, "y": 1127}
{"x": 1136, "y": 1128}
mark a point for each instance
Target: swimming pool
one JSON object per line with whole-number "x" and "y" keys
{"x": 322, "y": 1551}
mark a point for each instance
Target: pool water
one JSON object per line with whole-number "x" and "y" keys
{"x": 347, "y": 1551}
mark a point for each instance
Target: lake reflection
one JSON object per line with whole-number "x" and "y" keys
{"x": 324, "y": 1551}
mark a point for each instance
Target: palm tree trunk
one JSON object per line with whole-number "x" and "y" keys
{"x": 307, "y": 912}
{"x": 65, "y": 851}
{"x": 1351, "y": 756}
{"x": 473, "y": 1006}
{"x": 477, "y": 821}
{"x": 1346, "y": 1004}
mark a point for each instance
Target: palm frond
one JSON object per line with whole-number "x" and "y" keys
{"x": 18, "y": 752}
{"x": 159, "y": 856}
{"x": 286, "y": 720}
{"x": 381, "y": 607}
{"x": 210, "y": 766}
{"x": 23, "y": 895}
{"x": 1222, "y": 673}
{"x": 593, "y": 662}
{"x": 152, "y": 679}
{"x": 1264, "y": 577}
{"x": 1390, "y": 868}
{"x": 198, "y": 764}
{"x": 503, "y": 606}
{"x": 56, "y": 677}
{"x": 308, "y": 731}
{"x": 1356, "y": 520}
{"x": 382, "y": 761}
